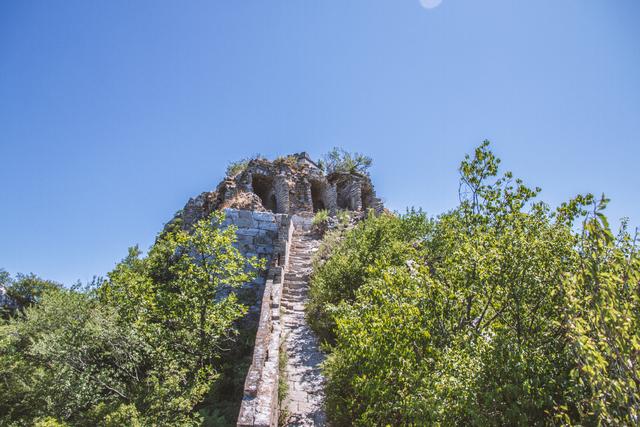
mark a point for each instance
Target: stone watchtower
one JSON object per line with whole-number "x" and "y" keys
{"x": 293, "y": 185}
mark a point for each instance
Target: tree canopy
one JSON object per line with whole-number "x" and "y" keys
{"x": 499, "y": 312}
{"x": 145, "y": 346}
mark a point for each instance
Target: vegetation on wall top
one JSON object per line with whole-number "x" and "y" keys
{"x": 340, "y": 161}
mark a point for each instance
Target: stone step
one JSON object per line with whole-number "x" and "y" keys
{"x": 300, "y": 276}
{"x": 300, "y": 255}
{"x": 302, "y": 269}
{"x": 293, "y": 306}
{"x": 295, "y": 284}
{"x": 294, "y": 295}
{"x": 304, "y": 377}
{"x": 310, "y": 244}
{"x": 299, "y": 265}
{"x": 304, "y": 246}
{"x": 301, "y": 272}
{"x": 298, "y": 279}
{"x": 299, "y": 294}
{"x": 297, "y": 287}
{"x": 299, "y": 269}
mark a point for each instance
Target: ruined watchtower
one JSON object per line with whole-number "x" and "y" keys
{"x": 293, "y": 185}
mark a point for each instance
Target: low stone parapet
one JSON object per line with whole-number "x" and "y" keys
{"x": 260, "y": 400}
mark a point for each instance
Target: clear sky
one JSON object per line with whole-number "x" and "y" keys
{"x": 114, "y": 113}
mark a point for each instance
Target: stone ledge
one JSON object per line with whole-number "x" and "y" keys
{"x": 259, "y": 405}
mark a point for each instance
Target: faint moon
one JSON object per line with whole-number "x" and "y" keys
{"x": 430, "y": 4}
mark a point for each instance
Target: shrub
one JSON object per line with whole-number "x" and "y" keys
{"x": 340, "y": 161}
{"x": 321, "y": 218}
{"x": 384, "y": 239}
{"x": 239, "y": 166}
{"x": 145, "y": 348}
{"x": 344, "y": 217}
{"x": 289, "y": 161}
{"x": 498, "y": 314}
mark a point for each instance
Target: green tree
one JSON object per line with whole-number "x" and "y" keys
{"x": 501, "y": 314}
{"x": 26, "y": 289}
{"x": 144, "y": 348}
{"x": 340, "y": 161}
{"x": 355, "y": 258}
{"x": 68, "y": 358}
{"x": 603, "y": 297}
{"x": 181, "y": 298}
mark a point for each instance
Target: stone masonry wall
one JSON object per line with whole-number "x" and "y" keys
{"x": 257, "y": 235}
{"x": 259, "y": 406}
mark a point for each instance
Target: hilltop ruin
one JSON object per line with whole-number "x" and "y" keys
{"x": 271, "y": 204}
{"x": 292, "y": 185}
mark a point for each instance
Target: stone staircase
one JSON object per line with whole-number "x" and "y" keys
{"x": 303, "y": 405}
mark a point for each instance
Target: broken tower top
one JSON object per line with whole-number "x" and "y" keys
{"x": 293, "y": 184}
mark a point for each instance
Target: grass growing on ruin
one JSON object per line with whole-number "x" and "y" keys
{"x": 283, "y": 386}
{"x": 289, "y": 161}
{"x": 339, "y": 160}
{"x": 239, "y": 166}
{"x": 320, "y": 218}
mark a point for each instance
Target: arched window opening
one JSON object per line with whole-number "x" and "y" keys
{"x": 343, "y": 195}
{"x": 263, "y": 188}
{"x": 318, "y": 195}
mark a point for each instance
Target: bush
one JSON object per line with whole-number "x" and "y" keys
{"x": 384, "y": 239}
{"x": 498, "y": 313}
{"x": 239, "y": 166}
{"x": 340, "y": 161}
{"x": 23, "y": 291}
{"x": 149, "y": 346}
{"x": 288, "y": 161}
{"x": 67, "y": 352}
{"x": 344, "y": 217}
{"x": 321, "y": 218}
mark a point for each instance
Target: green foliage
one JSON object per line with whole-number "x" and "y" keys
{"x": 234, "y": 168}
{"x": 49, "y": 422}
{"x": 321, "y": 218}
{"x": 340, "y": 161}
{"x": 180, "y": 298}
{"x": 344, "y": 217}
{"x": 65, "y": 353}
{"x": 147, "y": 347}
{"x": 283, "y": 387}
{"x": 354, "y": 259}
{"x": 498, "y": 313}
{"x": 5, "y": 278}
{"x": 603, "y": 332}
{"x": 289, "y": 161}
{"x": 25, "y": 290}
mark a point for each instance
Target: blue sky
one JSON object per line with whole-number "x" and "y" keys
{"x": 113, "y": 114}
